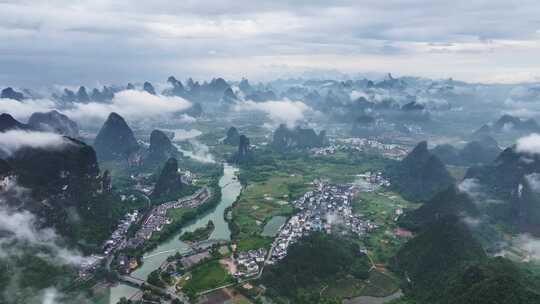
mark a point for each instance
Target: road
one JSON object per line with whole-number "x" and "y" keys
{"x": 169, "y": 291}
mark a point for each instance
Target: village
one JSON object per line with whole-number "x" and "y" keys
{"x": 327, "y": 208}
{"x": 154, "y": 221}
{"x": 392, "y": 151}
{"x": 157, "y": 218}
{"x": 322, "y": 209}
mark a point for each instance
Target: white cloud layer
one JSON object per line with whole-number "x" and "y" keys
{"x": 533, "y": 180}
{"x": 131, "y": 104}
{"x": 529, "y": 144}
{"x": 23, "y": 109}
{"x": 279, "y": 111}
{"x": 530, "y": 245}
{"x": 13, "y": 140}
{"x": 22, "y": 228}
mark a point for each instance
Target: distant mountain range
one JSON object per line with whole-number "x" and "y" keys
{"x": 508, "y": 124}
{"x": 483, "y": 150}
{"x": 286, "y": 139}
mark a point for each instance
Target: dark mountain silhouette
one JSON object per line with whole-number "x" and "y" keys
{"x": 245, "y": 87}
{"x": 450, "y": 202}
{"x": 483, "y": 150}
{"x": 160, "y": 150}
{"x": 233, "y": 137}
{"x": 148, "y": 87}
{"x": 82, "y": 95}
{"x": 64, "y": 182}
{"x": 512, "y": 122}
{"x": 229, "y": 97}
{"x": 7, "y": 122}
{"x": 508, "y": 123}
{"x": 54, "y": 121}
{"x": 177, "y": 87}
{"x": 261, "y": 96}
{"x": 413, "y": 106}
{"x": 286, "y": 139}
{"x": 512, "y": 179}
{"x": 447, "y": 153}
{"x": 444, "y": 264}
{"x": 243, "y": 148}
{"x": 5, "y": 168}
{"x": 168, "y": 182}
{"x": 115, "y": 140}
{"x": 106, "y": 95}
{"x": 11, "y": 94}
{"x": 420, "y": 175}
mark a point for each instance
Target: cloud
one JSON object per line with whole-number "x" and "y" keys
{"x": 533, "y": 180}
{"x": 50, "y": 296}
{"x": 199, "y": 151}
{"x": 21, "y": 228}
{"x": 282, "y": 111}
{"x": 354, "y": 95}
{"x": 473, "y": 188}
{"x": 136, "y": 106}
{"x": 529, "y": 144}
{"x": 111, "y": 41}
{"x": 23, "y": 109}
{"x": 132, "y": 105}
{"x": 530, "y": 245}
{"x": 13, "y": 140}
{"x": 472, "y": 222}
{"x": 21, "y": 237}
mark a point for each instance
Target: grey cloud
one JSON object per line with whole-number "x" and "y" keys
{"x": 111, "y": 41}
{"x": 529, "y": 144}
{"x": 279, "y": 111}
{"x": 13, "y": 140}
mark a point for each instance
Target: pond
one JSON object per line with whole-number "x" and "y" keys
{"x": 272, "y": 226}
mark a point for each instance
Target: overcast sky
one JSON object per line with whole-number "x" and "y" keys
{"x": 104, "y": 41}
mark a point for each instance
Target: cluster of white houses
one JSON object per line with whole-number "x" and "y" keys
{"x": 248, "y": 263}
{"x": 157, "y": 218}
{"x": 320, "y": 210}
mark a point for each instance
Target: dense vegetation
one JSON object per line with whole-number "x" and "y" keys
{"x": 445, "y": 264}
{"x": 445, "y": 203}
{"x": 511, "y": 180}
{"x": 311, "y": 264}
{"x": 420, "y": 175}
{"x": 199, "y": 234}
{"x": 483, "y": 150}
{"x": 206, "y": 276}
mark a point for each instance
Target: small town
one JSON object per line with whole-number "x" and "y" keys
{"x": 320, "y": 209}
{"x": 391, "y": 151}
{"x": 370, "y": 181}
{"x": 248, "y": 263}
{"x": 157, "y": 218}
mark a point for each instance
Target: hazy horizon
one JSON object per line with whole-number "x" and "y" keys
{"x": 103, "y": 42}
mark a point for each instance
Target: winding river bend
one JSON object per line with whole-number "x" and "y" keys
{"x": 230, "y": 189}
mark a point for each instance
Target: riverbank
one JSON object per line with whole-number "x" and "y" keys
{"x": 374, "y": 300}
{"x": 230, "y": 189}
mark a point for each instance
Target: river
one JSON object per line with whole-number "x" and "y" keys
{"x": 230, "y": 189}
